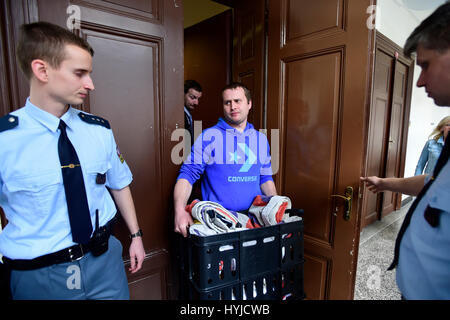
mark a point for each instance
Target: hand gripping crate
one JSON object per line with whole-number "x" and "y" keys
{"x": 255, "y": 264}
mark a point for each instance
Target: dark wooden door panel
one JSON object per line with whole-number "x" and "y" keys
{"x": 388, "y": 125}
{"x": 132, "y": 99}
{"x": 378, "y": 132}
{"x": 249, "y": 54}
{"x": 312, "y": 114}
{"x": 207, "y": 59}
{"x": 393, "y": 158}
{"x": 313, "y": 24}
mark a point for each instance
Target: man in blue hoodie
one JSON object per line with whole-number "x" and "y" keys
{"x": 233, "y": 158}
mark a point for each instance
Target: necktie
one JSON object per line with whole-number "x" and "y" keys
{"x": 77, "y": 205}
{"x": 431, "y": 215}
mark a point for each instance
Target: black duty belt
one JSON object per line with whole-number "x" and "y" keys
{"x": 70, "y": 254}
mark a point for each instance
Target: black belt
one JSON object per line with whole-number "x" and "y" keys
{"x": 70, "y": 254}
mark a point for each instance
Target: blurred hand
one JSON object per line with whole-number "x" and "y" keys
{"x": 183, "y": 220}
{"x": 373, "y": 183}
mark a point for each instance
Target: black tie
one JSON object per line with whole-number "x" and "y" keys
{"x": 77, "y": 205}
{"x": 431, "y": 215}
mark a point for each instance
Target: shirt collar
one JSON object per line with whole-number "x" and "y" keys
{"x": 187, "y": 111}
{"x": 47, "y": 119}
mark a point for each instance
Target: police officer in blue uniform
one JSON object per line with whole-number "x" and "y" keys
{"x": 56, "y": 163}
{"x": 422, "y": 248}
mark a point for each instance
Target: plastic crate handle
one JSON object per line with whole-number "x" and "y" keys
{"x": 295, "y": 212}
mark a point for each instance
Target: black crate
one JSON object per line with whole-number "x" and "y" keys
{"x": 231, "y": 291}
{"x": 283, "y": 284}
{"x": 291, "y": 282}
{"x": 213, "y": 261}
{"x": 291, "y": 244}
{"x": 259, "y": 251}
{"x": 265, "y": 286}
{"x": 252, "y": 260}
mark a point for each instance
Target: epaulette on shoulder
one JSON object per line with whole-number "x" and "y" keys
{"x": 89, "y": 118}
{"x": 8, "y": 122}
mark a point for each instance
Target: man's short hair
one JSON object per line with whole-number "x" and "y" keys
{"x": 192, "y": 84}
{"x": 433, "y": 33}
{"x": 235, "y": 85}
{"x": 46, "y": 41}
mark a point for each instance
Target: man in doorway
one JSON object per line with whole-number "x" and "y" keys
{"x": 56, "y": 164}
{"x": 233, "y": 158}
{"x": 423, "y": 244}
{"x": 192, "y": 95}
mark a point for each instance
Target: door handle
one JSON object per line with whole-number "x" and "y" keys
{"x": 348, "y": 201}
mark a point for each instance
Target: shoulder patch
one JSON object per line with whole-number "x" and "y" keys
{"x": 89, "y": 118}
{"x": 8, "y": 122}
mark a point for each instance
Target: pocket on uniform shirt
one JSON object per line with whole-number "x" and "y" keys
{"x": 96, "y": 175}
{"x": 35, "y": 193}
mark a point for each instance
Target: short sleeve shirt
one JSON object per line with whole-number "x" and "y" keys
{"x": 31, "y": 186}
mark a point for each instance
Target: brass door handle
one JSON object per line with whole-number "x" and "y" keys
{"x": 348, "y": 201}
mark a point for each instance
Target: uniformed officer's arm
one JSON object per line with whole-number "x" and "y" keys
{"x": 181, "y": 195}
{"x": 124, "y": 201}
{"x": 410, "y": 186}
{"x": 268, "y": 188}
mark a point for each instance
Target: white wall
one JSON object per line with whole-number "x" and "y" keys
{"x": 396, "y": 19}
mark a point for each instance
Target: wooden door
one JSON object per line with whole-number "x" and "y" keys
{"x": 249, "y": 52}
{"x": 138, "y": 75}
{"x": 378, "y": 133}
{"x": 396, "y": 139}
{"x": 207, "y": 59}
{"x": 318, "y": 62}
{"x": 388, "y": 125}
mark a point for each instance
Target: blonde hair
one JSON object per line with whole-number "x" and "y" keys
{"x": 437, "y": 132}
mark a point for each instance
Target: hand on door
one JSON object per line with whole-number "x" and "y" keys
{"x": 374, "y": 184}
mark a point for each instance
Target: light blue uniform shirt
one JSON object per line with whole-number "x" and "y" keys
{"x": 429, "y": 156}
{"x": 423, "y": 270}
{"x": 31, "y": 186}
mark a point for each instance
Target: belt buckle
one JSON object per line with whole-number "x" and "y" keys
{"x": 73, "y": 255}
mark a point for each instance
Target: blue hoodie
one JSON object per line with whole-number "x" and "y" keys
{"x": 234, "y": 165}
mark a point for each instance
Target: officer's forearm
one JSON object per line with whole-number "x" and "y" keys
{"x": 410, "y": 186}
{"x": 125, "y": 204}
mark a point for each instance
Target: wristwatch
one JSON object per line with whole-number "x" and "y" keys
{"x": 137, "y": 234}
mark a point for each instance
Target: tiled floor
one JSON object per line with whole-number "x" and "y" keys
{"x": 376, "y": 249}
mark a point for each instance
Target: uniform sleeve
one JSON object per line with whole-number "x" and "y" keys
{"x": 422, "y": 160}
{"x": 119, "y": 175}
